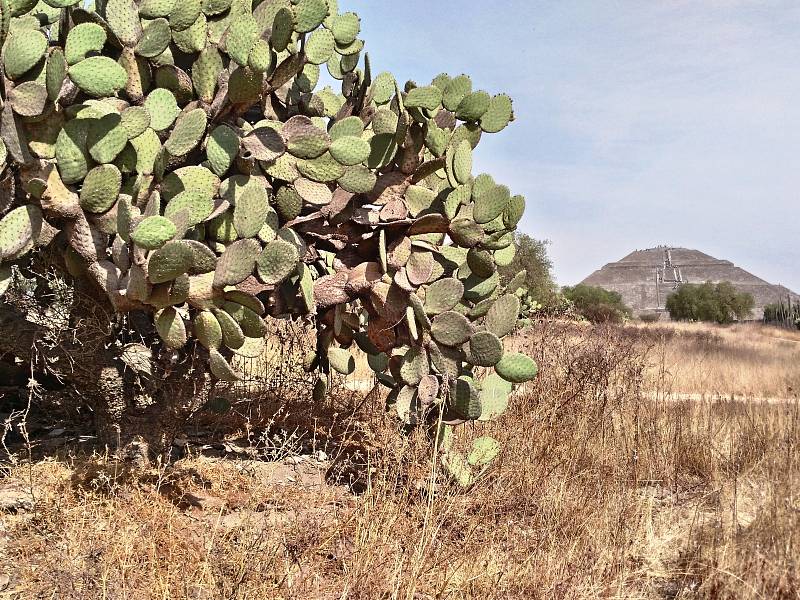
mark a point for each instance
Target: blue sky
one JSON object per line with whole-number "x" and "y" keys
{"x": 638, "y": 122}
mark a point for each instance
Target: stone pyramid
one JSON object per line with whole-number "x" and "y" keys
{"x": 645, "y": 278}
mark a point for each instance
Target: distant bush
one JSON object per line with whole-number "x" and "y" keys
{"x": 649, "y": 317}
{"x": 597, "y": 304}
{"x": 718, "y": 303}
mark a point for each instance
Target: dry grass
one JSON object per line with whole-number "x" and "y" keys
{"x": 743, "y": 360}
{"x": 601, "y": 492}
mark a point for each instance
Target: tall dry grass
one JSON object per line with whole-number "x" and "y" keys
{"x": 603, "y": 490}
{"x": 743, "y": 360}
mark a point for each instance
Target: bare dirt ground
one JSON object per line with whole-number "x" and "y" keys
{"x": 606, "y": 488}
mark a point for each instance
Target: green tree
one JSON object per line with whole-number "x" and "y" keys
{"x": 596, "y": 304}
{"x": 718, "y": 303}
{"x": 531, "y": 255}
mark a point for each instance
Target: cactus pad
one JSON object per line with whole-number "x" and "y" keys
{"x": 153, "y": 232}
{"x": 98, "y": 76}
{"x": 171, "y": 328}
{"x": 277, "y": 261}
{"x": 341, "y": 361}
{"x": 451, "y": 328}
{"x": 100, "y": 188}
{"x": 516, "y": 368}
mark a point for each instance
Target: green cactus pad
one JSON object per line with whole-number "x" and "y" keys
{"x": 277, "y": 261}
{"x": 241, "y": 37}
{"x": 462, "y": 162}
{"x": 378, "y": 362}
{"x": 502, "y": 316}
{"x": 205, "y": 72}
{"x": 83, "y": 39}
{"x": 457, "y": 467}
{"x": 466, "y": 232}
{"x": 187, "y": 132}
{"x": 198, "y": 204}
{"x": 494, "y": 396}
{"x": 322, "y": 169}
{"x": 319, "y": 46}
{"x": 163, "y": 108}
{"x": 184, "y": 14}
{"x": 22, "y": 50}
{"x": 382, "y": 150}
{"x": 100, "y": 188}
{"x": 498, "y": 115}
{"x": 347, "y": 127}
{"x": 153, "y": 232}
{"x": 171, "y": 328}
{"x": 505, "y": 256}
{"x": 237, "y": 262}
{"x": 245, "y": 299}
{"x": 207, "y": 330}
{"x": 19, "y": 230}
{"x": 419, "y": 199}
{"x": 455, "y": 91}
{"x": 123, "y": 19}
{"x": 135, "y": 120}
{"x": 152, "y": 9}
{"x": 251, "y": 323}
{"x": 345, "y": 28}
{"x": 282, "y": 27}
{"x": 480, "y": 262}
{"x": 485, "y": 349}
{"x": 250, "y": 212}
{"x": 169, "y": 261}
{"x": 484, "y": 450}
{"x": 414, "y": 366}
{"x": 232, "y": 335}
{"x": 309, "y": 14}
{"x": 221, "y": 368}
{"x": 155, "y": 38}
{"x": 473, "y": 106}
{"x": 490, "y": 203}
{"x": 341, "y": 361}
{"x": 350, "y": 150}
{"x": 288, "y": 203}
{"x": 424, "y": 97}
{"x": 465, "y": 399}
{"x": 516, "y": 368}
{"x": 451, "y": 328}
{"x": 106, "y": 138}
{"x": 55, "y": 73}
{"x": 222, "y": 148}
{"x": 304, "y": 139}
{"x": 443, "y": 295}
{"x": 203, "y": 258}
{"x": 513, "y": 211}
{"x": 261, "y": 58}
{"x": 98, "y": 76}
{"x": 358, "y": 180}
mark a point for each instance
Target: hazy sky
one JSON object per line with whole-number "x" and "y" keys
{"x": 638, "y": 122}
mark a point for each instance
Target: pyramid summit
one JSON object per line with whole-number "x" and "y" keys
{"x": 645, "y": 278}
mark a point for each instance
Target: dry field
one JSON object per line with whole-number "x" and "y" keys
{"x": 610, "y": 485}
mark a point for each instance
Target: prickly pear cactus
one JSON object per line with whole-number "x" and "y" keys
{"x": 181, "y": 158}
